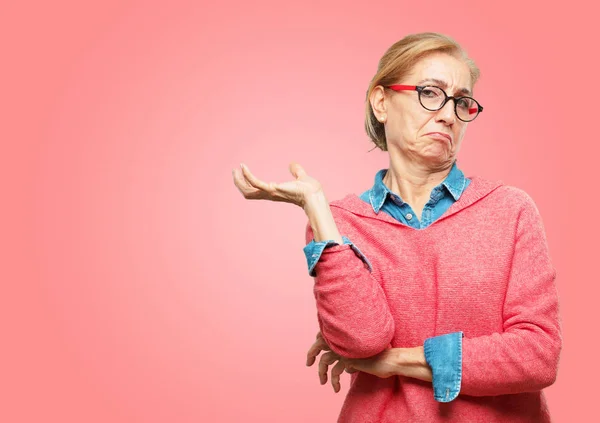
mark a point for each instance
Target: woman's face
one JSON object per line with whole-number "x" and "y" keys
{"x": 428, "y": 137}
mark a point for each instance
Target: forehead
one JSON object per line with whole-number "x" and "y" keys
{"x": 444, "y": 70}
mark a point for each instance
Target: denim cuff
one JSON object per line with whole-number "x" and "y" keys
{"x": 313, "y": 251}
{"x": 444, "y": 355}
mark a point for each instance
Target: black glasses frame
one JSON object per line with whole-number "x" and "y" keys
{"x": 420, "y": 88}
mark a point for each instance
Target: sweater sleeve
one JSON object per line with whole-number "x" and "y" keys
{"x": 524, "y": 357}
{"x": 313, "y": 252}
{"x": 352, "y": 309}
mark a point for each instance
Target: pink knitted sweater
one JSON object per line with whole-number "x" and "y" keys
{"x": 483, "y": 268}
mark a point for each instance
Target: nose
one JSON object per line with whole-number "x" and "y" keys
{"x": 446, "y": 113}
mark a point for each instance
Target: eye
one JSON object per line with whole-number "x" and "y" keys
{"x": 431, "y": 92}
{"x": 464, "y": 103}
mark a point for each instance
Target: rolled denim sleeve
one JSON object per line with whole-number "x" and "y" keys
{"x": 444, "y": 355}
{"x": 314, "y": 249}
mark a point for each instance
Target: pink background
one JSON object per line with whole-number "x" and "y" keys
{"x": 138, "y": 285}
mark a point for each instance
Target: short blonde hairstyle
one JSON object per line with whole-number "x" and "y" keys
{"x": 399, "y": 60}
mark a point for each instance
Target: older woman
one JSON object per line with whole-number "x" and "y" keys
{"x": 436, "y": 291}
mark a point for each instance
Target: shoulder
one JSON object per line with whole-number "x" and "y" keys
{"x": 517, "y": 196}
{"x": 514, "y": 201}
{"x": 503, "y": 194}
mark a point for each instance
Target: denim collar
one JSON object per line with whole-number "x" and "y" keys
{"x": 455, "y": 184}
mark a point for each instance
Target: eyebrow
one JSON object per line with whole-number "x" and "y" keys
{"x": 445, "y": 85}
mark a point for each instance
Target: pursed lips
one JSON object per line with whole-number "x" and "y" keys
{"x": 440, "y": 135}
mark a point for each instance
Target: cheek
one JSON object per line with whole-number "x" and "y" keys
{"x": 417, "y": 124}
{"x": 410, "y": 124}
{"x": 459, "y": 139}
{"x": 461, "y": 132}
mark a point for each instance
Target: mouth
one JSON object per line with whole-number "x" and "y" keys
{"x": 440, "y": 136}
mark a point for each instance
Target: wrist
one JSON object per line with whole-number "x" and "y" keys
{"x": 410, "y": 362}
{"x": 314, "y": 202}
{"x": 320, "y": 218}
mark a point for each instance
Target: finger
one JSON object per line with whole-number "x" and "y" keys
{"x": 297, "y": 170}
{"x": 253, "y": 180}
{"x": 238, "y": 179}
{"x": 326, "y": 360}
{"x": 314, "y": 351}
{"x": 247, "y": 190}
{"x": 350, "y": 365}
{"x": 318, "y": 346}
{"x": 336, "y": 371}
{"x": 312, "y": 354}
{"x": 323, "y": 342}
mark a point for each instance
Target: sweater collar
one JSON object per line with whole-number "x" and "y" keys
{"x": 455, "y": 184}
{"x": 478, "y": 189}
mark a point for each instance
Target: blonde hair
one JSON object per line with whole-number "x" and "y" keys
{"x": 399, "y": 60}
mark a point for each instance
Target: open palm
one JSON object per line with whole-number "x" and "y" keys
{"x": 295, "y": 192}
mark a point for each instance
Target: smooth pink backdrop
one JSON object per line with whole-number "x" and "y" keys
{"x": 138, "y": 285}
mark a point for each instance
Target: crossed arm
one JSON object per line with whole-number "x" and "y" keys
{"x": 357, "y": 325}
{"x": 306, "y": 192}
{"x": 409, "y": 362}
{"x": 522, "y": 357}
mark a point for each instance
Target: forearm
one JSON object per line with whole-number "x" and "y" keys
{"x": 524, "y": 361}
{"x": 410, "y": 362}
{"x": 321, "y": 219}
{"x": 354, "y": 316}
{"x": 407, "y": 362}
{"x": 524, "y": 356}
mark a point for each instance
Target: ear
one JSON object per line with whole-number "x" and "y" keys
{"x": 378, "y": 101}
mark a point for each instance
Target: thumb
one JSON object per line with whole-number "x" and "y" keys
{"x": 297, "y": 170}
{"x": 350, "y": 369}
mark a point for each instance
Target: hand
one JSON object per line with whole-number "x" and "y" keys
{"x": 326, "y": 360}
{"x": 409, "y": 362}
{"x": 382, "y": 365}
{"x": 295, "y": 192}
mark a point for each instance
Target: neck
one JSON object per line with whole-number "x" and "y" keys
{"x": 414, "y": 181}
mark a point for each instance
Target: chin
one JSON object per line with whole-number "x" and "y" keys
{"x": 439, "y": 160}
{"x": 438, "y": 154}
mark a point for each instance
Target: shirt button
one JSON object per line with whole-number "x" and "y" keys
{"x": 409, "y": 216}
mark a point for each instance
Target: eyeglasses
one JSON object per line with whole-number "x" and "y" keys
{"x": 434, "y": 98}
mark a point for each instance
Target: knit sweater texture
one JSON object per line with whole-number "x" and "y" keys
{"x": 483, "y": 268}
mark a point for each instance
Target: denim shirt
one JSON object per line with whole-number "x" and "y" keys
{"x": 443, "y": 353}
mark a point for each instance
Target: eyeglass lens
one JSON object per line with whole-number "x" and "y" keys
{"x": 432, "y": 98}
